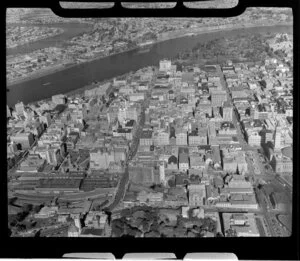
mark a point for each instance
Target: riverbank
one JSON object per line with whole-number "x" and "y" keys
{"x": 170, "y": 36}
{"x": 40, "y": 73}
{"x": 61, "y": 31}
{"x": 205, "y": 30}
{"x": 48, "y": 71}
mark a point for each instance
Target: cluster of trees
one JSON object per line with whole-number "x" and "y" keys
{"x": 243, "y": 45}
{"x": 16, "y": 221}
{"x": 121, "y": 227}
{"x": 137, "y": 221}
{"x": 201, "y": 225}
{"x": 230, "y": 233}
{"x": 149, "y": 36}
{"x": 157, "y": 187}
{"x": 146, "y": 221}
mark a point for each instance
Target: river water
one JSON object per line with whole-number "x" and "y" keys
{"x": 104, "y": 68}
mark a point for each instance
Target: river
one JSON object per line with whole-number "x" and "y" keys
{"x": 105, "y": 68}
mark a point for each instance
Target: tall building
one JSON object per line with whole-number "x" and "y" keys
{"x": 165, "y": 65}
{"x": 146, "y": 138}
{"x": 100, "y": 159}
{"x": 53, "y": 156}
{"x": 26, "y": 139}
{"x": 162, "y": 177}
{"x": 198, "y": 137}
{"x": 29, "y": 115}
{"x": 197, "y": 194}
{"x": 161, "y": 138}
{"x": 112, "y": 113}
{"x": 128, "y": 113}
{"x": 277, "y": 145}
{"x": 183, "y": 161}
{"x": 77, "y": 222}
{"x": 227, "y": 111}
{"x": 8, "y": 114}
{"x": 181, "y": 137}
{"x": 19, "y": 107}
{"x": 59, "y": 99}
{"x": 254, "y": 139}
{"x": 12, "y": 148}
{"x": 120, "y": 154}
{"x": 218, "y": 97}
{"x": 282, "y": 162}
{"x": 46, "y": 119}
{"x": 212, "y": 129}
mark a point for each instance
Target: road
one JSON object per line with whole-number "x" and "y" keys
{"x": 256, "y": 170}
{"x": 255, "y": 165}
{"x": 276, "y": 228}
{"x": 235, "y": 121}
{"x": 265, "y": 207}
{"x": 124, "y": 181}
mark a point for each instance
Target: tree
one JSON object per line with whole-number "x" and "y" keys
{"x": 231, "y": 233}
{"x": 33, "y": 224}
{"x": 125, "y": 212}
{"x": 38, "y": 233}
{"x": 13, "y": 223}
{"x": 20, "y": 227}
{"x": 37, "y": 208}
{"x": 152, "y": 234}
{"x": 21, "y": 216}
{"x": 69, "y": 219}
{"x": 27, "y": 208}
{"x": 171, "y": 183}
{"x": 12, "y": 200}
{"x": 212, "y": 227}
{"x": 154, "y": 226}
{"x": 117, "y": 227}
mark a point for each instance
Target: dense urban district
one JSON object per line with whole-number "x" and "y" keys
{"x": 181, "y": 149}
{"x": 108, "y": 36}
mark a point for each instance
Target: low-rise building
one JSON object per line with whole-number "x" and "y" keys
{"x": 183, "y": 162}
{"x": 240, "y": 225}
{"x": 197, "y": 194}
{"x": 146, "y": 138}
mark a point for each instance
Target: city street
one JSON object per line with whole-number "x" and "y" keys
{"x": 256, "y": 169}
{"x": 121, "y": 190}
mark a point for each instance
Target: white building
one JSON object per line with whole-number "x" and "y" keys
{"x": 165, "y": 65}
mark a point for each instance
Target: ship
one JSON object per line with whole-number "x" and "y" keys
{"x": 145, "y": 47}
{"x": 190, "y": 34}
{"x": 145, "y": 44}
{"x": 47, "y": 83}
